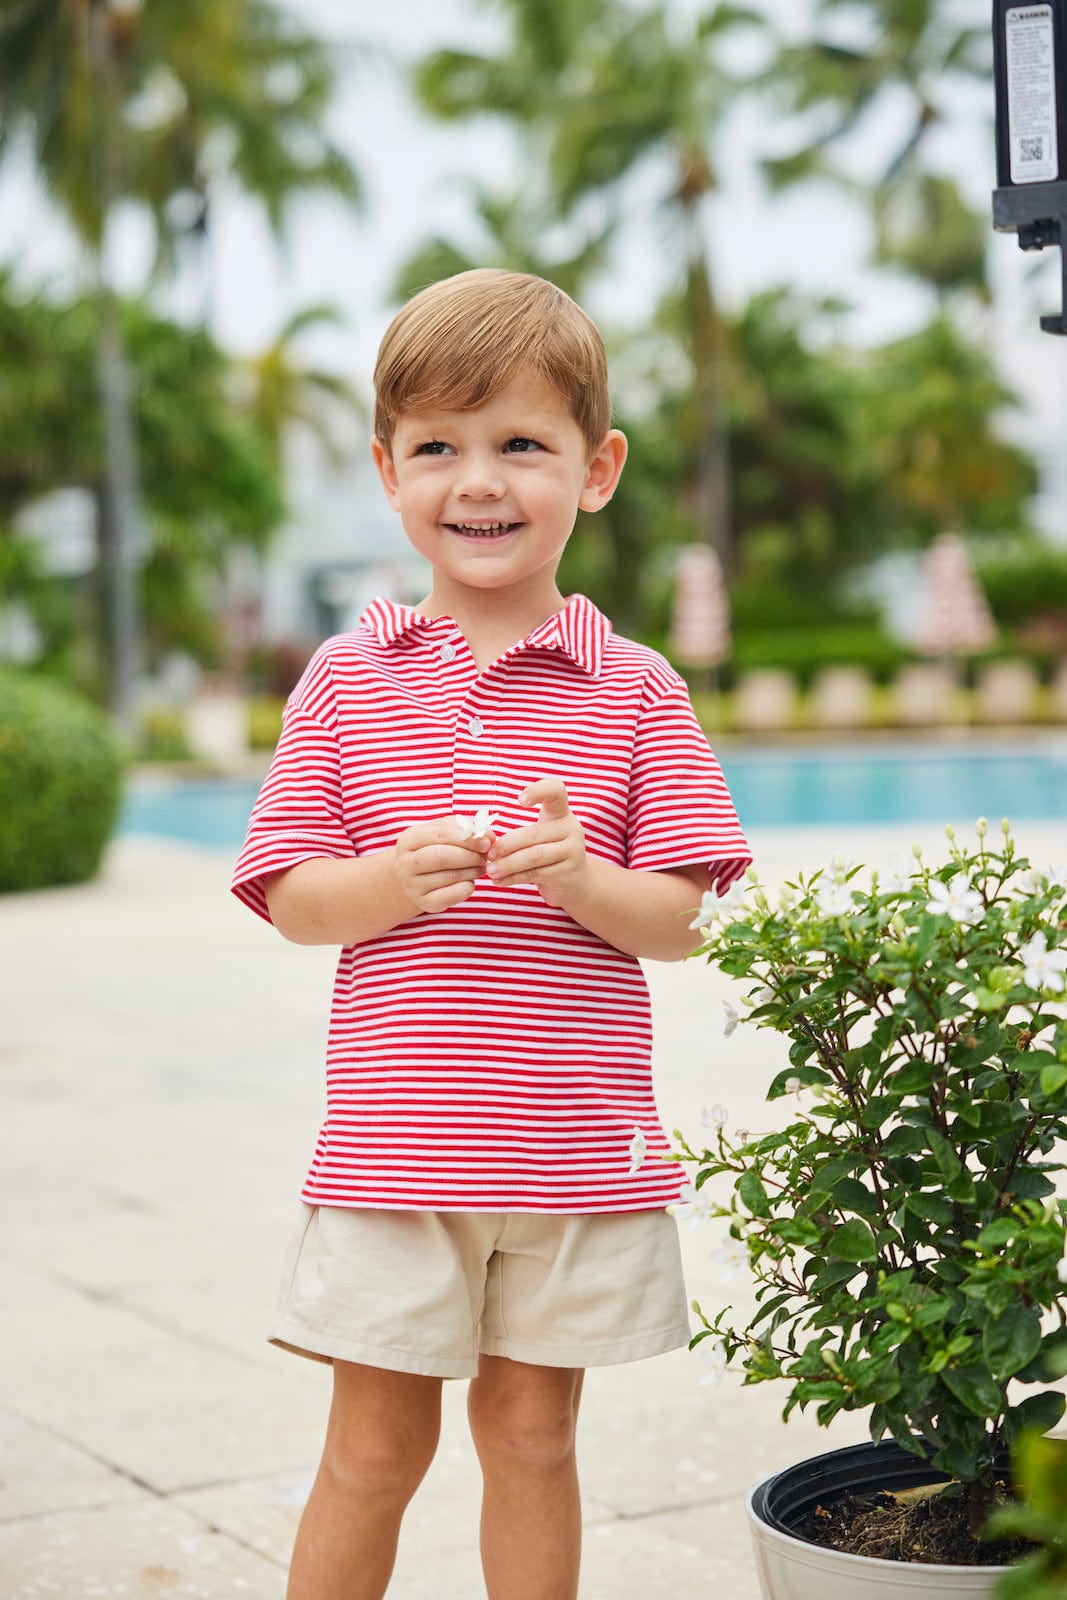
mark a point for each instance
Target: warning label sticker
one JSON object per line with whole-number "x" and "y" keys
{"x": 1031, "y": 63}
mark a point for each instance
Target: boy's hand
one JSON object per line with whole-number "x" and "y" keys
{"x": 550, "y": 852}
{"x": 437, "y": 865}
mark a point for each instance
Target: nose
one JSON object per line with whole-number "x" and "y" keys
{"x": 479, "y": 477}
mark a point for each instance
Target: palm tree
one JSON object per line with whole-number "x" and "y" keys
{"x": 599, "y": 87}
{"x": 866, "y": 53}
{"x": 76, "y": 74}
{"x": 283, "y": 391}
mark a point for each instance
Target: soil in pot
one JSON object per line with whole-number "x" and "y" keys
{"x": 927, "y": 1524}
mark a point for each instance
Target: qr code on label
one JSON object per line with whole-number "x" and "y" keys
{"x": 1031, "y": 149}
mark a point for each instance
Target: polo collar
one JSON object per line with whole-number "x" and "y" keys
{"x": 578, "y": 629}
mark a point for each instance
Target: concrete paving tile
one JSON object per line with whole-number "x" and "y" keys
{"x": 44, "y": 1473}
{"x": 143, "y": 1551}
{"x": 171, "y": 1412}
{"x": 705, "y": 1550}
{"x": 651, "y": 1441}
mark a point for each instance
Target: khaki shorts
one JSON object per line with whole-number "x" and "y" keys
{"x": 426, "y": 1291}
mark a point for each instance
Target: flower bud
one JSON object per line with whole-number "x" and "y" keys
{"x": 950, "y": 832}
{"x": 981, "y": 827}
{"x": 752, "y": 875}
{"x": 917, "y": 851}
{"x": 1005, "y": 826}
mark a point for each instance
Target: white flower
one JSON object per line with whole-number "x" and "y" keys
{"x": 1031, "y": 881}
{"x": 734, "y": 898}
{"x": 898, "y": 878}
{"x": 956, "y": 900}
{"x": 710, "y": 905}
{"x": 638, "y": 1150}
{"x": 834, "y": 900}
{"x": 838, "y": 867}
{"x": 793, "y": 1086}
{"x": 1061, "y": 1268}
{"x": 714, "y": 1117}
{"x": 693, "y": 1206}
{"x": 733, "y": 1257}
{"x": 476, "y": 827}
{"x": 1056, "y": 877}
{"x": 712, "y": 1356}
{"x": 732, "y": 1019}
{"x": 1043, "y": 968}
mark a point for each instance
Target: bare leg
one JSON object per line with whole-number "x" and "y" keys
{"x": 523, "y": 1420}
{"x": 381, "y": 1437}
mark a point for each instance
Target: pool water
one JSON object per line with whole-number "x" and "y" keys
{"x": 772, "y": 788}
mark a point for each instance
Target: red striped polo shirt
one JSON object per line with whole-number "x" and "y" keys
{"x": 495, "y": 1056}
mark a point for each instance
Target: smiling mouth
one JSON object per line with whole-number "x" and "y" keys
{"x": 483, "y": 530}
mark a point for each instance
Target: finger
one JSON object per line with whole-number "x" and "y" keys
{"x": 526, "y": 864}
{"x": 446, "y": 858}
{"x": 450, "y": 895}
{"x": 548, "y": 793}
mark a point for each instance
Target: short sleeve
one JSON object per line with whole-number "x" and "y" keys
{"x": 299, "y": 813}
{"x": 680, "y": 811}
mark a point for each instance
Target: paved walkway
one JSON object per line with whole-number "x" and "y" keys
{"x": 161, "y": 1060}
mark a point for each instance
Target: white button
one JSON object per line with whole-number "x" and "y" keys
{"x": 447, "y": 652}
{"x": 475, "y": 727}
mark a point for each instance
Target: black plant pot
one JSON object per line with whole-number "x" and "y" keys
{"x": 791, "y": 1567}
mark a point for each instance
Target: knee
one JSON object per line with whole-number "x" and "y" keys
{"x": 387, "y": 1464}
{"x": 524, "y": 1435}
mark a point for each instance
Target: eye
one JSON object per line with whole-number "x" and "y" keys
{"x": 521, "y": 446}
{"x": 432, "y": 447}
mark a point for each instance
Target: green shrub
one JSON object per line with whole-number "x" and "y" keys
{"x": 61, "y": 767}
{"x": 264, "y": 721}
{"x": 803, "y": 651}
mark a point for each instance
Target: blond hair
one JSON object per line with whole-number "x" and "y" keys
{"x": 459, "y": 342}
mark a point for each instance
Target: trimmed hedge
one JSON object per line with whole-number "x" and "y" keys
{"x": 61, "y": 770}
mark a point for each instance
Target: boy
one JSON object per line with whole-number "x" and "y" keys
{"x": 494, "y": 805}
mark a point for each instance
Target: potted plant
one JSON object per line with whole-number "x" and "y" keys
{"x": 901, "y": 1222}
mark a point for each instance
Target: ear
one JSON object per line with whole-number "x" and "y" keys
{"x": 604, "y": 471}
{"x": 386, "y": 471}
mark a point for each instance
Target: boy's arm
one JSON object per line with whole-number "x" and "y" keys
{"x": 639, "y": 912}
{"x": 328, "y": 901}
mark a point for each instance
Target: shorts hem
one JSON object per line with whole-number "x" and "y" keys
{"x": 318, "y": 1345}
{"x": 635, "y": 1347}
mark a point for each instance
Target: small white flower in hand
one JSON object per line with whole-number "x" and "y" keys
{"x": 732, "y": 1019}
{"x": 733, "y": 1258}
{"x": 956, "y": 900}
{"x": 1043, "y": 968}
{"x": 712, "y": 1355}
{"x": 709, "y": 909}
{"x": 476, "y": 827}
{"x": 638, "y": 1150}
{"x": 834, "y": 899}
{"x": 714, "y": 1116}
{"x": 693, "y": 1205}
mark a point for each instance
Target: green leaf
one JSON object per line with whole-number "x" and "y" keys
{"x": 929, "y": 1207}
{"x": 752, "y": 1193}
{"x": 1029, "y": 1183}
{"x": 975, "y": 1389}
{"x": 848, "y": 1194}
{"x": 1012, "y": 1339}
{"x": 853, "y": 1241}
{"x": 944, "y": 1153}
{"x": 1053, "y": 1078}
{"x": 1041, "y": 1411}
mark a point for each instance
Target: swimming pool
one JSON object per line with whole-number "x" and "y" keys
{"x": 772, "y": 787}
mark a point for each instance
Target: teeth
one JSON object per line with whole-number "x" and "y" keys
{"x": 483, "y": 528}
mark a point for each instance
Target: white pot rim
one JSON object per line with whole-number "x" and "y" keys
{"x": 871, "y": 1565}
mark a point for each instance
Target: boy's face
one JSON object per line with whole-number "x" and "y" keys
{"x": 490, "y": 496}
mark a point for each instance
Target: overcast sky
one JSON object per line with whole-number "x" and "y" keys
{"x": 416, "y": 178}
